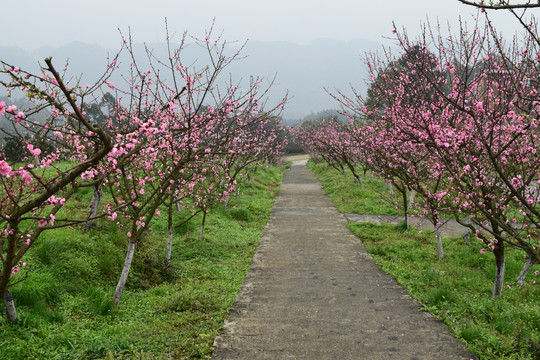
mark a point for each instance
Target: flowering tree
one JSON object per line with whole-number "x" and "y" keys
{"x": 518, "y": 10}
{"x": 176, "y": 123}
{"x": 333, "y": 142}
{"x": 475, "y": 119}
{"x": 33, "y": 193}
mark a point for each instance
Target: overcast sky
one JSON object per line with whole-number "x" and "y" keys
{"x": 31, "y": 24}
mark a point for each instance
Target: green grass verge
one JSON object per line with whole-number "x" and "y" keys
{"x": 347, "y": 194}
{"x": 167, "y": 312}
{"x": 457, "y": 290}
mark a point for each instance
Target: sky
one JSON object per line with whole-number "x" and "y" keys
{"x": 34, "y": 24}
{"x": 30, "y": 24}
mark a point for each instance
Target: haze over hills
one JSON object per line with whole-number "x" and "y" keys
{"x": 302, "y": 70}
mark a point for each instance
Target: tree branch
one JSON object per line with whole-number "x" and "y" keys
{"x": 500, "y": 5}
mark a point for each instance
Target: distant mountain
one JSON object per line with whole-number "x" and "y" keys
{"x": 302, "y": 70}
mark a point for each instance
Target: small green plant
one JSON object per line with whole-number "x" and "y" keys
{"x": 241, "y": 214}
{"x": 100, "y": 302}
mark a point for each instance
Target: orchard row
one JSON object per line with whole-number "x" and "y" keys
{"x": 453, "y": 120}
{"x": 167, "y": 137}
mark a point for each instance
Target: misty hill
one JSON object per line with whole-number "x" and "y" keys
{"x": 302, "y": 70}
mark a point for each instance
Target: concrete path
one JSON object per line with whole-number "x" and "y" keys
{"x": 313, "y": 292}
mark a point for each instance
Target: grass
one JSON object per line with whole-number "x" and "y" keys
{"x": 457, "y": 290}
{"x": 167, "y": 312}
{"x": 347, "y": 194}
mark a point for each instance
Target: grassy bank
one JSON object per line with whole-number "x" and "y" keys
{"x": 347, "y": 194}
{"x": 457, "y": 290}
{"x": 167, "y": 312}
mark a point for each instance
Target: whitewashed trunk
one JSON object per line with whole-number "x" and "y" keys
{"x": 390, "y": 188}
{"x": 360, "y": 182}
{"x": 201, "y": 237}
{"x": 11, "y": 312}
{"x": 411, "y": 198}
{"x": 440, "y": 252}
{"x": 169, "y": 246}
{"x": 226, "y": 202}
{"x": 524, "y": 271}
{"x": 499, "y": 276}
{"x": 467, "y": 236}
{"x": 94, "y": 206}
{"x": 125, "y": 272}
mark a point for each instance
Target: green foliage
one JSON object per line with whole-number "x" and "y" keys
{"x": 241, "y": 215}
{"x": 100, "y": 302}
{"x": 167, "y": 312}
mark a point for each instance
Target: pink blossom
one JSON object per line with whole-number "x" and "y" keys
{"x": 35, "y": 151}
{"x": 19, "y": 117}
{"x": 480, "y": 106}
{"x": 26, "y": 177}
{"x": 42, "y": 223}
{"x": 5, "y": 169}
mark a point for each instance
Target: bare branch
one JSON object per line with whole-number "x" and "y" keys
{"x": 500, "y": 5}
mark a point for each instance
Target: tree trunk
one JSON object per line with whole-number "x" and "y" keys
{"x": 170, "y": 237}
{"x": 405, "y": 209}
{"x": 201, "y": 237}
{"x": 372, "y": 175}
{"x": 169, "y": 246}
{"x": 125, "y": 271}
{"x": 411, "y": 198}
{"x": 390, "y": 188}
{"x": 499, "y": 270}
{"x": 440, "y": 252}
{"x": 467, "y": 236}
{"x": 253, "y": 176}
{"x": 226, "y": 202}
{"x": 11, "y": 312}
{"x": 357, "y": 178}
{"x": 94, "y": 206}
{"x": 524, "y": 271}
